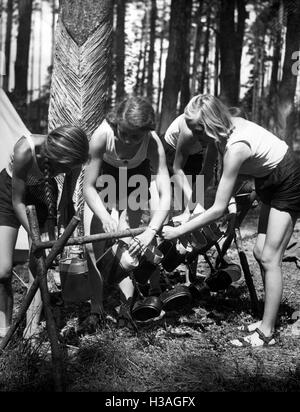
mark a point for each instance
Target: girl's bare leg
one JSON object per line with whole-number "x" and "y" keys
{"x": 8, "y": 235}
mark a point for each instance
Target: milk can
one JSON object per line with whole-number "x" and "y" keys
{"x": 74, "y": 278}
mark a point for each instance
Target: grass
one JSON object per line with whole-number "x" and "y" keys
{"x": 169, "y": 356}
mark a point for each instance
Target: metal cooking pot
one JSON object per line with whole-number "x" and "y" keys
{"x": 176, "y": 297}
{"x": 233, "y": 270}
{"x": 199, "y": 290}
{"x": 147, "y": 308}
{"x": 147, "y": 264}
{"x": 219, "y": 280}
{"x": 75, "y": 284}
{"x": 172, "y": 256}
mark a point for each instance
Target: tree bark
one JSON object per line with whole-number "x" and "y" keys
{"x": 217, "y": 56}
{"x": 23, "y": 44}
{"x": 153, "y": 18}
{"x": 82, "y": 62}
{"x": 206, "y": 52}
{"x": 275, "y": 65}
{"x": 53, "y": 11}
{"x": 80, "y": 79}
{"x": 185, "y": 92}
{"x": 9, "y": 19}
{"x": 177, "y": 44}
{"x": 231, "y": 44}
{"x": 143, "y": 41}
{"x": 239, "y": 40}
{"x": 197, "y": 46}
{"x": 161, "y": 50}
{"x": 120, "y": 50}
{"x": 287, "y": 88}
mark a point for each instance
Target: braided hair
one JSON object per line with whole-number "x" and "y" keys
{"x": 50, "y": 196}
{"x": 66, "y": 146}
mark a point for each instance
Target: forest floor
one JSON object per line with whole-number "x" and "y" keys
{"x": 187, "y": 351}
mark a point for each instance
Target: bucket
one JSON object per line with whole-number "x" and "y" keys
{"x": 74, "y": 280}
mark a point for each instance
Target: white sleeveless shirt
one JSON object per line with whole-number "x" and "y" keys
{"x": 111, "y": 157}
{"x": 173, "y": 132}
{"x": 267, "y": 150}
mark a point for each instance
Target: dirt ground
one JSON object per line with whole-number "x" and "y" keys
{"x": 185, "y": 351}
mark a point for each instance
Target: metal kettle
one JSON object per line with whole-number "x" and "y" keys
{"x": 74, "y": 278}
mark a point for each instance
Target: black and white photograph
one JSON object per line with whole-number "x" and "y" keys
{"x": 150, "y": 198}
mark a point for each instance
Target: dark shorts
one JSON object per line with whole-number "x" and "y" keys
{"x": 193, "y": 164}
{"x": 34, "y": 195}
{"x": 281, "y": 188}
{"x": 7, "y": 213}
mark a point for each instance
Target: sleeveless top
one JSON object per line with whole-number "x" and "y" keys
{"x": 111, "y": 157}
{"x": 267, "y": 150}
{"x": 173, "y": 132}
{"x": 34, "y": 175}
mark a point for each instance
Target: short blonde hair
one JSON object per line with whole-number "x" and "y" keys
{"x": 209, "y": 112}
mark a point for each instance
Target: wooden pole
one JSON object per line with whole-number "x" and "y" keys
{"x": 56, "y": 250}
{"x": 247, "y": 274}
{"x": 37, "y": 265}
{"x": 81, "y": 240}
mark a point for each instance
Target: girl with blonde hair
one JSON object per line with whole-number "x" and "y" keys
{"x": 248, "y": 149}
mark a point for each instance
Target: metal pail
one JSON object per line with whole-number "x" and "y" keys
{"x": 74, "y": 280}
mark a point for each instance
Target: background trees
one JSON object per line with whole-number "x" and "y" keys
{"x": 167, "y": 50}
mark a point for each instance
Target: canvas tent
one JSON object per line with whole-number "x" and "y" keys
{"x": 11, "y": 129}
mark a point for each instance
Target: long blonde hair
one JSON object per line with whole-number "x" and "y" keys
{"x": 209, "y": 112}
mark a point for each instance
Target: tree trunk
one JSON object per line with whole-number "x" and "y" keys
{"x": 32, "y": 60}
{"x": 275, "y": 65}
{"x": 239, "y": 41}
{"x": 185, "y": 92}
{"x": 153, "y": 18}
{"x": 197, "y": 46}
{"x": 120, "y": 50}
{"x": 143, "y": 41}
{"x": 231, "y": 43}
{"x": 177, "y": 44}
{"x": 143, "y": 86}
{"x": 217, "y": 56}
{"x": 22, "y": 58}
{"x": 206, "y": 52}
{"x": 82, "y": 63}
{"x": 161, "y": 50}
{"x": 40, "y": 52}
{"x": 53, "y": 11}
{"x": 287, "y": 88}
{"x": 9, "y": 20}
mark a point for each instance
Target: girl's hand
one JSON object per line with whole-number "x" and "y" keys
{"x": 139, "y": 244}
{"x": 183, "y": 218}
{"x": 109, "y": 225}
{"x": 169, "y": 232}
